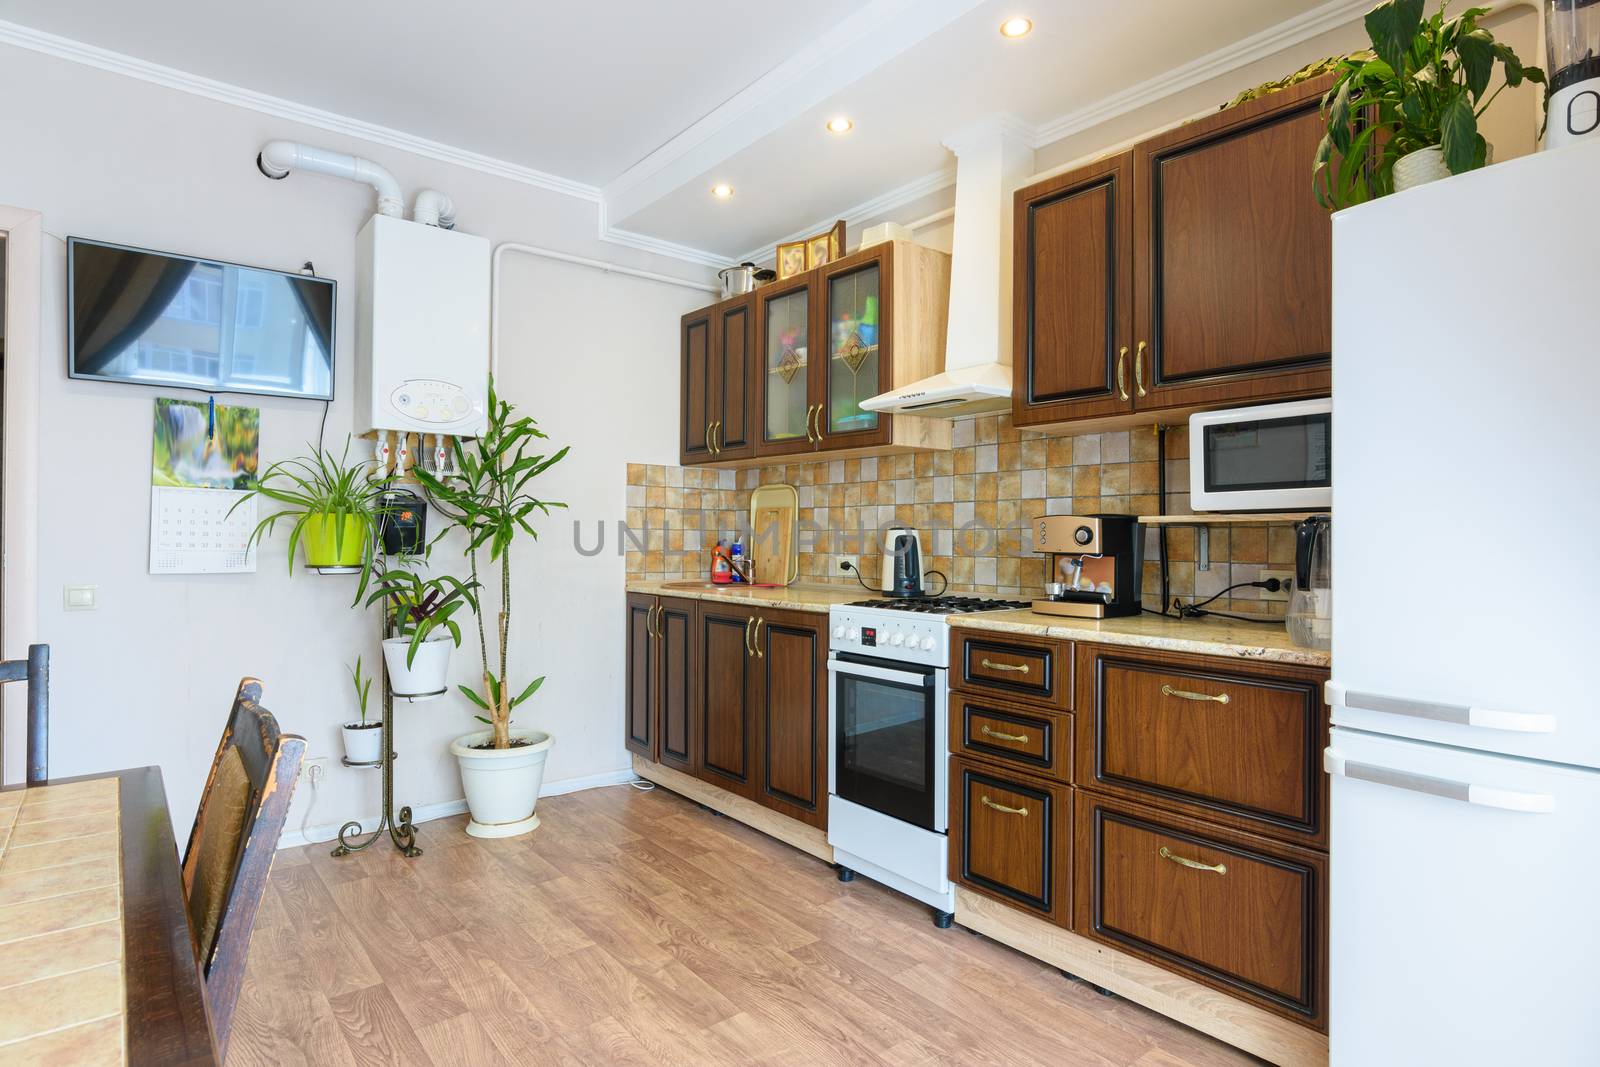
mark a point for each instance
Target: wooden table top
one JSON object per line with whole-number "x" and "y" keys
{"x": 97, "y": 964}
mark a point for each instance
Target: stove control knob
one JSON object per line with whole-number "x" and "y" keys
{"x": 838, "y": 631}
{"x": 852, "y": 633}
{"x": 927, "y": 644}
{"x": 898, "y": 638}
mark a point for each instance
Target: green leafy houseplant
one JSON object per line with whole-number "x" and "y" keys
{"x": 333, "y": 504}
{"x": 491, "y": 502}
{"x": 421, "y": 606}
{"x": 363, "y": 688}
{"x": 1424, "y": 84}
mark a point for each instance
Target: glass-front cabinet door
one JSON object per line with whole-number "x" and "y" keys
{"x": 858, "y": 365}
{"x": 787, "y": 404}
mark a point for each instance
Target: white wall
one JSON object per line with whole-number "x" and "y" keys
{"x": 147, "y": 678}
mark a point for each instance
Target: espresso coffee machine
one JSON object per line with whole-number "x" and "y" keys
{"x": 1096, "y": 563}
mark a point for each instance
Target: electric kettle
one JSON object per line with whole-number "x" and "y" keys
{"x": 900, "y": 569}
{"x": 1310, "y": 617}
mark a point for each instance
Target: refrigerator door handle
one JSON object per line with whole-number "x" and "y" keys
{"x": 1333, "y": 762}
{"x": 1525, "y": 722}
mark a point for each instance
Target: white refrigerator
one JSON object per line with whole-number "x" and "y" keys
{"x": 1465, "y": 692}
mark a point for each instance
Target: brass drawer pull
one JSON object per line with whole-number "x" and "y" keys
{"x": 1122, "y": 372}
{"x": 1193, "y": 865}
{"x": 1019, "y": 668}
{"x": 1002, "y": 808}
{"x": 1138, "y": 369}
{"x": 1184, "y": 694}
{"x": 1020, "y": 739}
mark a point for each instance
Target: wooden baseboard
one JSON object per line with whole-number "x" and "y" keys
{"x": 790, "y": 831}
{"x": 1242, "y": 1025}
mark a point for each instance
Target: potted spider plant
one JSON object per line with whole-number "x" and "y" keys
{"x": 491, "y": 501}
{"x": 333, "y": 506}
{"x": 1407, "y": 112}
{"x": 363, "y": 740}
{"x": 420, "y": 609}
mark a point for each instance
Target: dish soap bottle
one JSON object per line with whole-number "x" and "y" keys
{"x": 721, "y": 564}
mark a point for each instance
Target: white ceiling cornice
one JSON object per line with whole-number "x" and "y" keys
{"x": 172, "y": 78}
{"x": 911, "y": 191}
{"x": 1319, "y": 20}
{"x": 843, "y": 55}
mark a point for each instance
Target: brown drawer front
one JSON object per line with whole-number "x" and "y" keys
{"x": 1012, "y": 839}
{"x": 1029, "y": 671}
{"x": 1239, "y": 918}
{"x": 1035, "y": 741}
{"x": 1242, "y": 744}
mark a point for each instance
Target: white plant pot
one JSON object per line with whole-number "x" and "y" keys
{"x": 363, "y": 743}
{"x": 428, "y": 674}
{"x": 1419, "y": 168}
{"x": 502, "y": 785}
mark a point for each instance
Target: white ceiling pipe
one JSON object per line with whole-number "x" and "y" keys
{"x": 277, "y": 158}
{"x": 433, "y": 208}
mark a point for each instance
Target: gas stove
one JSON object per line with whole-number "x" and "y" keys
{"x": 906, "y": 629}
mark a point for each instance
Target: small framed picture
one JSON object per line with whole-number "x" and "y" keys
{"x": 791, "y": 259}
{"x": 825, "y": 247}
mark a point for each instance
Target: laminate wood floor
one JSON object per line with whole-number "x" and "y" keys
{"x": 638, "y": 928}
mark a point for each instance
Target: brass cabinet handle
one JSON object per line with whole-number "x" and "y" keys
{"x": 1020, "y": 739}
{"x": 1122, "y": 373}
{"x": 1018, "y": 668}
{"x": 1193, "y": 865}
{"x": 716, "y": 437}
{"x": 810, "y": 410}
{"x": 818, "y": 421}
{"x": 708, "y": 438}
{"x": 759, "y": 654}
{"x": 1138, "y": 369}
{"x": 749, "y": 650}
{"x": 1184, "y": 694}
{"x": 1002, "y": 808}
{"x": 650, "y": 620}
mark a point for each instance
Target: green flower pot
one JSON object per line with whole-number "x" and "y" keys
{"x": 317, "y": 539}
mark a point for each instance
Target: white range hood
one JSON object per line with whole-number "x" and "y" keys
{"x": 991, "y": 162}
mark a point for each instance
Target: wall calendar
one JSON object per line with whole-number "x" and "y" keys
{"x": 205, "y": 458}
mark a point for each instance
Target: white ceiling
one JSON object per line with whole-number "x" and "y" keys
{"x": 654, "y": 101}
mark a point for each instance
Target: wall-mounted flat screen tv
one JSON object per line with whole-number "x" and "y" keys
{"x": 151, "y": 318}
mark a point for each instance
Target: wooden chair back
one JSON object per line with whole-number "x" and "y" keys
{"x": 35, "y": 670}
{"x": 271, "y": 765}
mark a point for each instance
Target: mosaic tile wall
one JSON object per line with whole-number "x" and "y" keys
{"x": 971, "y": 505}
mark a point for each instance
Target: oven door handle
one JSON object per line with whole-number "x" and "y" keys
{"x": 882, "y": 674}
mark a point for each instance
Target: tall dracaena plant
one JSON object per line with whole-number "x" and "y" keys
{"x": 1425, "y": 83}
{"x": 491, "y": 502}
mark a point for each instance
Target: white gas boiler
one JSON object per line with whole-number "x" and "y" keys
{"x": 422, "y": 329}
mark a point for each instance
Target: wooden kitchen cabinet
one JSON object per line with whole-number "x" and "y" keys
{"x": 1231, "y": 741}
{"x": 715, "y": 391}
{"x": 1011, "y": 838}
{"x": 660, "y": 682}
{"x": 1012, "y": 666}
{"x": 1198, "y": 265}
{"x": 789, "y": 694}
{"x": 724, "y": 711}
{"x": 1234, "y": 911}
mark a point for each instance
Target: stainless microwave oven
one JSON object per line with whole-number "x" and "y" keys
{"x": 1272, "y": 457}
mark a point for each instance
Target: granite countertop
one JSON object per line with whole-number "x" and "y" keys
{"x": 1206, "y": 637}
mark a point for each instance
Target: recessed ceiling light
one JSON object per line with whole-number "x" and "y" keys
{"x": 1016, "y": 27}
{"x": 840, "y": 125}
{"x": 722, "y": 190}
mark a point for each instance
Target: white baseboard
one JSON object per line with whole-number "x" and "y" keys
{"x": 316, "y": 835}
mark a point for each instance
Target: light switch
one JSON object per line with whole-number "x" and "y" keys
{"x": 80, "y": 597}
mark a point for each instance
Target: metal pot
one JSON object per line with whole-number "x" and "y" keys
{"x": 736, "y": 281}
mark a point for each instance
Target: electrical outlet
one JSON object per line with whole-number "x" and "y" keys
{"x": 846, "y": 565}
{"x": 314, "y": 768}
{"x": 1286, "y": 577}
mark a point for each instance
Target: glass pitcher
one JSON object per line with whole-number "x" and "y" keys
{"x": 1310, "y": 617}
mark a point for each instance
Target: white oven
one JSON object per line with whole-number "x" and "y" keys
{"x": 1272, "y": 457}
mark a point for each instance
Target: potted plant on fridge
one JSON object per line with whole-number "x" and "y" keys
{"x": 490, "y": 500}
{"x": 418, "y": 657}
{"x": 1407, "y": 112}
{"x": 363, "y": 740}
{"x": 333, "y": 505}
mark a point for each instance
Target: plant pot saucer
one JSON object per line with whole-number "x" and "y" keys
{"x": 502, "y": 829}
{"x": 348, "y": 762}
{"x": 418, "y": 698}
{"x": 337, "y": 570}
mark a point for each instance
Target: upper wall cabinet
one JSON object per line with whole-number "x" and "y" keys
{"x": 807, "y": 350}
{"x": 1194, "y": 270}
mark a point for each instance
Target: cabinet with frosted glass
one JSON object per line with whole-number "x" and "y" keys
{"x": 842, "y": 333}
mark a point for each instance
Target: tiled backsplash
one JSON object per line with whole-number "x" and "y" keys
{"x": 971, "y": 505}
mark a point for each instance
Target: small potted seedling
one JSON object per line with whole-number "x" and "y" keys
{"x": 418, "y": 659}
{"x": 363, "y": 739}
